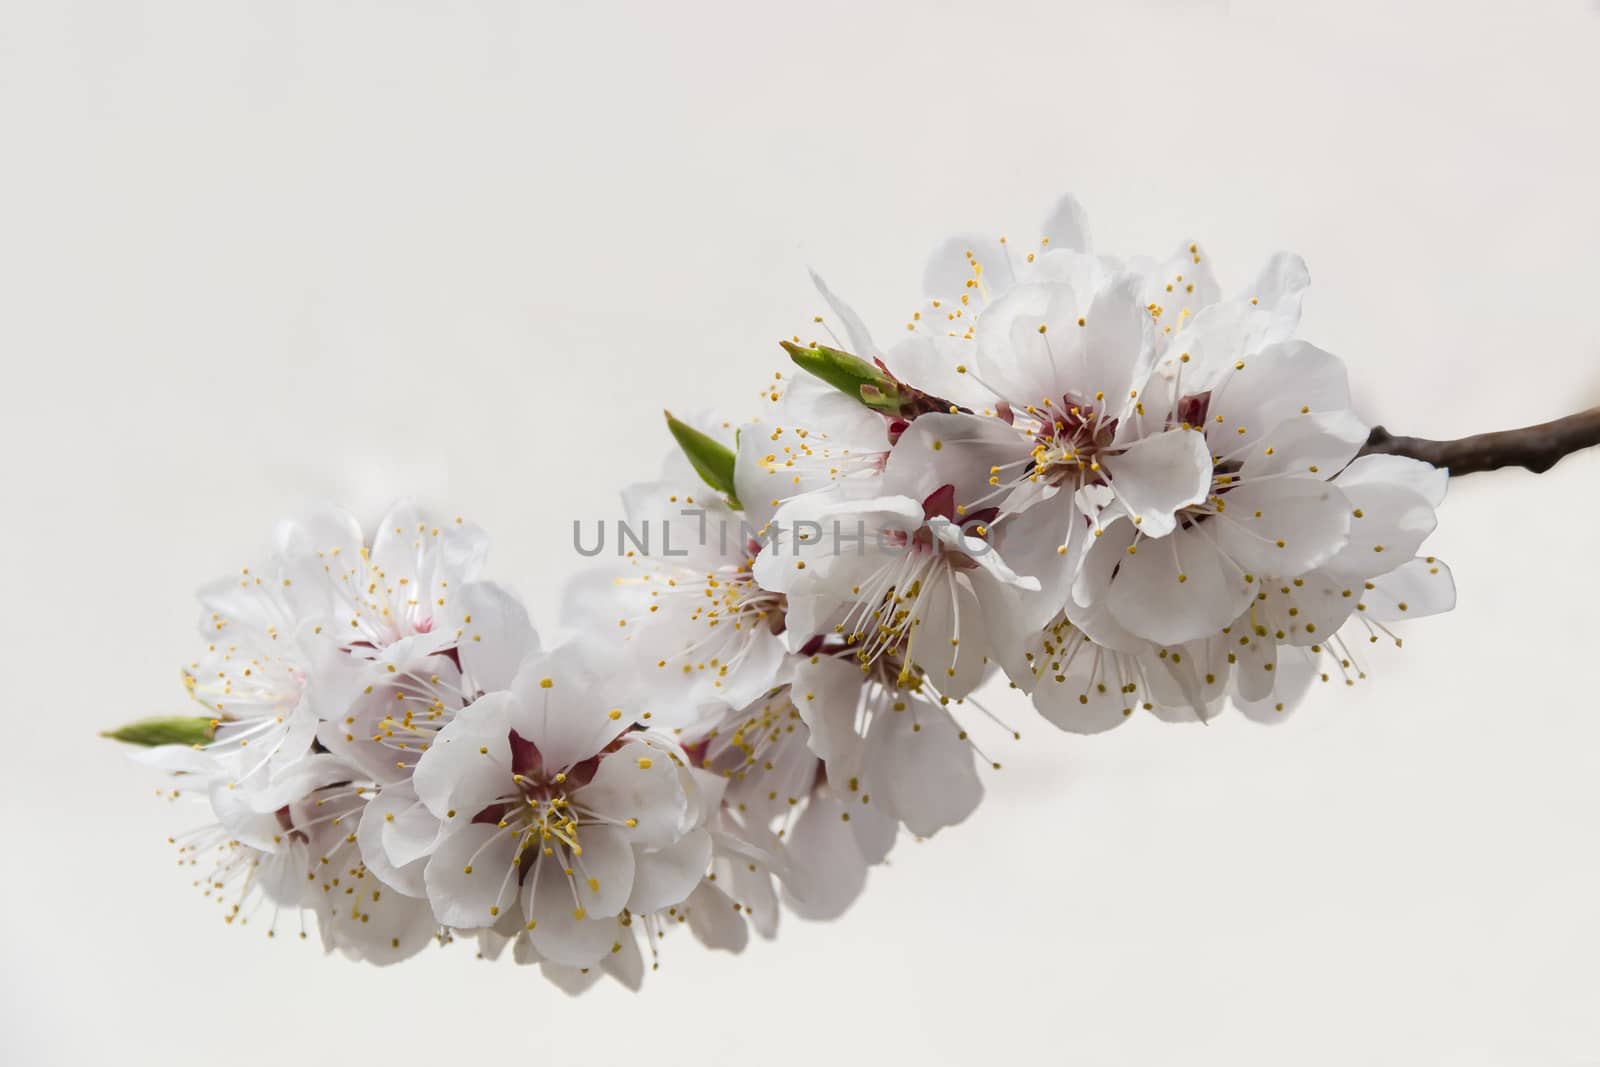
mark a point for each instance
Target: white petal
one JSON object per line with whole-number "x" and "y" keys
{"x": 827, "y": 693}
{"x": 856, "y": 338}
{"x": 563, "y": 711}
{"x": 1421, "y": 587}
{"x": 959, "y": 260}
{"x": 605, "y": 869}
{"x": 638, "y": 781}
{"x": 1388, "y": 523}
{"x": 1278, "y": 289}
{"x": 1424, "y": 479}
{"x": 379, "y": 926}
{"x": 1085, "y": 689}
{"x": 1281, "y": 382}
{"x": 952, "y": 449}
{"x": 921, "y": 757}
{"x": 1296, "y": 670}
{"x": 475, "y": 897}
{"x": 561, "y": 931}
{"x": 1148, "y": 597}
{"x": 1067, "y": 226}
{"x": 715, "y": 919}
{"x": 666, "y": 876}
{"x": 496, "y": 637}
{"x": 395, "y": 835}
{"x": 1281, "y": 526}
{"x": 468, "y": 764}
{"x": 827, "y": 871}
{"x": 1156, "y": 477}
{"x": 1317, "y": 445}
{"x": 625, "y": 962}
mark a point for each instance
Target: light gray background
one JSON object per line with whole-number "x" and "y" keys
{"x": 255, "y": 254}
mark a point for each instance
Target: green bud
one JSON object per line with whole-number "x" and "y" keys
{"x": 711, "y": 459}
{"x": 165, "y": 730}
{"x": 849, "y": 374}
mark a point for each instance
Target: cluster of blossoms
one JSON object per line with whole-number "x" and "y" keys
{"x": 1101, "y": 480}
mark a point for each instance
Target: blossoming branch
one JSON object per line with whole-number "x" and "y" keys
{"x": 1102, "y": 480}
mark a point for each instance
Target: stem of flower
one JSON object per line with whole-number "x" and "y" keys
{"x": 1538, "y": 448}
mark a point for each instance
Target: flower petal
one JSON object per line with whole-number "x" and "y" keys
{"x": 1156, "y": 477}
{"x": 666, "y": 876}
{"x": 471, "y": 877}
{"x": 1177, "y": 589}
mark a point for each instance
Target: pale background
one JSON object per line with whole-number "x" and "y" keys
{"x": 255, "y": 254}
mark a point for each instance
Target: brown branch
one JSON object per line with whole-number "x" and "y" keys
{"x": 1538, "y": 448}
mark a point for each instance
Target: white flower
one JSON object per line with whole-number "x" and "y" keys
{"x": 380, "y": 708}
{"x": 302, "y": 857}
{"x": 780, "y": 817}
{"x": 888, "y": 745}
{"x": 812, "y": 438}
{"x": 893, "y": 575}
{"x": 550, "y": 815}
{"x": 715, "y": 917}
{"x": 283, "y": 638}
{"x": 251, "y": 678}
{"x": 402, "y": 586}
{"x": 699, "y": 634}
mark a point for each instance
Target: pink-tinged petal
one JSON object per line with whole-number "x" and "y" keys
{"x": 1178, "y": 588}
{"x": 666, "y": 876}
{"x": 1281, "y": 526}
{"x": 1158, "y": 476}
{"x": 471, "y": 877}
{"x": 496, "y": 635}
